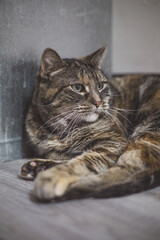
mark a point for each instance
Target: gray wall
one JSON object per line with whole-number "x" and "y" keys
{"x": 136, "y": 36}
{"x": 72, "y": 27}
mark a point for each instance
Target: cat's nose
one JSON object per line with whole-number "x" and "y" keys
{"x": 97, "y": 103}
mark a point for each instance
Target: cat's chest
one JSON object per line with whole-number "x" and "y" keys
{"x": 80, "y": 139}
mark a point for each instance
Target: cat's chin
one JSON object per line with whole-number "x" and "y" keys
{"x": 92, "y": 117}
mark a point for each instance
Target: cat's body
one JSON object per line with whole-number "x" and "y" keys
{"x": 99, "y": 137}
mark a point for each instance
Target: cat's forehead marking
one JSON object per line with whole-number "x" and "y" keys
{"x": 88, "y": 80}
{"x": 85, "y": 79}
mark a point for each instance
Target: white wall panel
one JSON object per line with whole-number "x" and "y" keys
{"x": 136, "y": 36}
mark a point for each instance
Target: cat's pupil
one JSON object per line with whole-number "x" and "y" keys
{"x": 78, "y": 87}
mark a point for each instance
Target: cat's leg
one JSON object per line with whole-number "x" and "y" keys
{"x": 56, "y": 181}
{"x": 137, "y": 169}
{"x": 30, "y": 169}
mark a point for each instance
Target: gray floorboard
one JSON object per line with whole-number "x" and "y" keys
{"x": 135, "y": 217}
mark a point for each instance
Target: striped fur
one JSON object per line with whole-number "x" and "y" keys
{"x": 103, "y": 141}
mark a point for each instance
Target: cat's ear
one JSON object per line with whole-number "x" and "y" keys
{"x": 50, "y": 62}
{"x": 97, "y": 57}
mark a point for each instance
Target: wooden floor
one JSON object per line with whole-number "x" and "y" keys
{"x": 135, "y": 217}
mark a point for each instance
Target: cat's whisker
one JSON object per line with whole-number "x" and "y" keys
{"x": 122, "y": 116}
{"x": 116, "y": 120}
{"x": 76, "y": 146}
{"x": 85, "y": 111}
{"x": 124, "y": 110}
{"x": 68, "y": 125}
{"x": 72, "y": 127}
{"x": 66, "y": 118}
{"x": 55, "y": 117}
{"x": 76, "y": 121}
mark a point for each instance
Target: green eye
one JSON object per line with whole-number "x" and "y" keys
{"x": 77, "y": 87}
{"x": 100, "y": 86}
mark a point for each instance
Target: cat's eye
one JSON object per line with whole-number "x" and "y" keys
{"x": 78, "y": 87}
{"x": 100, "y": 86}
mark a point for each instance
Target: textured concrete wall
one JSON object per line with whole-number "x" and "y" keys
{"x": 136, "y": 36}
{"x": 72, "y": 27}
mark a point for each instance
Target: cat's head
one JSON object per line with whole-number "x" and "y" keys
{"x": 72, "y": 89}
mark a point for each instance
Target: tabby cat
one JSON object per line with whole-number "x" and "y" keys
{"x": 97, "y": 137}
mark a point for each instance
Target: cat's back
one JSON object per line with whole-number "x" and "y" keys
{"x": 132, "y": 89}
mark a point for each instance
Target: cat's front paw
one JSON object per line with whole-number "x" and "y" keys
{"x": 28, "y": 170}
{"x": 52, "y": 183}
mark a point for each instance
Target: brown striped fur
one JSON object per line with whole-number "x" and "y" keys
{"x": 98, "y": 142}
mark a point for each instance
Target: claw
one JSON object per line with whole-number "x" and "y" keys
{"x": 26, "y": 177}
